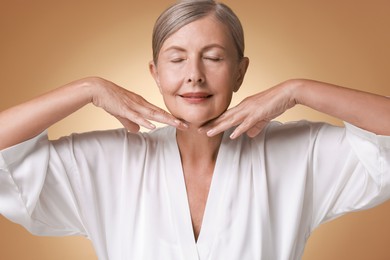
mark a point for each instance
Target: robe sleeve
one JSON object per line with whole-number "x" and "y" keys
{"x": 35, "y": 190}
{"x": 351, "y": 171}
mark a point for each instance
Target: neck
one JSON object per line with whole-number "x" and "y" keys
{"x": 194, "y": 146}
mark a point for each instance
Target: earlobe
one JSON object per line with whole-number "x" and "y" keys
{"x": 153, "y": 71}
{"x": 243, "y": 66}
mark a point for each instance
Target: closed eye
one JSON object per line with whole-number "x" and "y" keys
{"x": 214, "y": 59}
{"x": 177, "y": 60}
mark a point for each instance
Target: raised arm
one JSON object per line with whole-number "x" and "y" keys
{"x": 365, "y": 110}
{"x": 24, "y": 121}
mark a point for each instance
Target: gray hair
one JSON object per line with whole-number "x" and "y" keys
{"x": 187, "y": 11}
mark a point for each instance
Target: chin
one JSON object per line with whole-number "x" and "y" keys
{"x": 197, "y": 121}
{"x": 196, "y": 117}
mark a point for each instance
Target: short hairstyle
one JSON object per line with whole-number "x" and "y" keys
{"x": 187, "y": 11}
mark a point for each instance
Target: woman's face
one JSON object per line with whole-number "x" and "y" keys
{"x": 198, "y": 69}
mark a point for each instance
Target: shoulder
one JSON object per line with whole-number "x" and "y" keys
{"x": 160, "y": 135}
{"x": 296, "y": 129}
{"x": 298, "y": 134}
{"x": 278, "y": 133}
{"x": 120, "y": 133}
{"x": 115, "y": 138}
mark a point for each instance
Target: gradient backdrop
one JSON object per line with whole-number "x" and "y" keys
{"x": 46, "y": 43}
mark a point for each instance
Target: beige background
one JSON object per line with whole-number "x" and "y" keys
{"x": 47, "y": 43}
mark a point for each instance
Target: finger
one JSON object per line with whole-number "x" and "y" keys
{"x": 252, "y": 128}
{"x": 256, "y": 129}
{"x": 159, "y": 115}
{"x": 138, "y": 119}
{"x": 242, "y": 128}
{"x": 229, "y": 119}
{"x": 130, "y": 126}
{"x": 154, "y": 113}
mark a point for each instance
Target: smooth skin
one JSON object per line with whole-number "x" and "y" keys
{"x": 196, "y": 77}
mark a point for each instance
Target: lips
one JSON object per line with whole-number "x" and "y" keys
{"x": 195, "y": 97}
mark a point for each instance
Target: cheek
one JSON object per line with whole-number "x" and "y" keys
{"x": 168, "y": 81}
{"x": 226, "y": 88}
{"x": 167, "y": 85}
{"x": 226, "y": 73}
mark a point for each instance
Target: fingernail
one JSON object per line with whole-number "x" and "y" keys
{"x": 233, "y": 135}
{"x": 210, "y": 132}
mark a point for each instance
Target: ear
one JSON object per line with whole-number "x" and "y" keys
{"x": 242, "y": 68}
{"x": 153, "y": 71}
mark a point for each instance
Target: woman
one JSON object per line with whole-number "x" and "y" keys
{"x": 199, "y": 188}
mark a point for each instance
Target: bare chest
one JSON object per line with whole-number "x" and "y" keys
{"x": 198, "y": 182}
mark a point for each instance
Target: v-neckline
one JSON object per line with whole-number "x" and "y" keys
{"x": 180, "y": 206}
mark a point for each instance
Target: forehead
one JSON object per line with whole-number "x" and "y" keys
{"x": 205, "y": 31}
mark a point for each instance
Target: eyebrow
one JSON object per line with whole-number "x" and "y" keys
{"x": 207, "y": 47}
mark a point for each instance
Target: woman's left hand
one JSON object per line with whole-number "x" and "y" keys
{"x": 254, "y": 112}
{"x": 365, "y": 110}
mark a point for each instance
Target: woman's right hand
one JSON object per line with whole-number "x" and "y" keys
{"x": 131, "y": 109}
{"x": 24, "y": 121}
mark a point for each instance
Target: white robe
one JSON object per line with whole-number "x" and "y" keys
{"x": 126, "y": 192}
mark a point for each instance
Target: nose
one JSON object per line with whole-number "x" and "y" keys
{"x": 195, "y": 74}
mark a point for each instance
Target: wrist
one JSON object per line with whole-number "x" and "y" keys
{"x": 91, "y": 87}
{"x": 294, "y": 90}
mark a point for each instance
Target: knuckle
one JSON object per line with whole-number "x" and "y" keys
{"x": 233, "y": 119}
{"x": 152, "y": 113}
{"x": 258, "y": 126}
{"x": 137, "y": 99}
{"x": 157, "y": 114}
{"x": 246, "y": 124}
